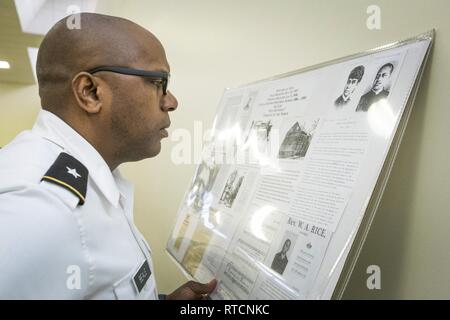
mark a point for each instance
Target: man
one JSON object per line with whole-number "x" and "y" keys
{"x": 66, "y": 213}
{"x": 378, "y": 91}
{"x": 280, "y": 260}
{"x": 353, "y": 80}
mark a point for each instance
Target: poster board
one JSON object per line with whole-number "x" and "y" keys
{"x": 288, "y": 186}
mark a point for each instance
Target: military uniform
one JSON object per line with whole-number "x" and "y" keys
{"x": 66, "y": 221}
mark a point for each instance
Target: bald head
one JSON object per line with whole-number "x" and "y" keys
{"x": 122, "y": 116}
{"x": 101, "y": 41}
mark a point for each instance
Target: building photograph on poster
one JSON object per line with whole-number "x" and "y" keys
{"x": 232, "y": 188}
{"x": 297, "y": 139}
{"x": 208, "y": 151}
{"x": 200, "y": 197}
{"x": 259, "y": 135}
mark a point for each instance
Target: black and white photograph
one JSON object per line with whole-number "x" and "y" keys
{"x": 354, "y": 79}
{"x": 297, "y": 139}
{"x": 250, "y": 100}
{"x": 200, "y": 196}
{"x": 246, "y": 111}
{"x": 380, "y": 88}
{"x": 232, "y": 187}
{"x": 259, "y": 135}
{"x": 281, "y": 258}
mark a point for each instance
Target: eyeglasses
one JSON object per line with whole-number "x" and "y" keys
{"x": 155, "y": 75}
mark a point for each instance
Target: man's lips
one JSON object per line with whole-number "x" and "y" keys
{"x": 164, "y": 133}
{"x": 163, "y": 130}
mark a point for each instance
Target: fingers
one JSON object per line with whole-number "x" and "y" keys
{"x": 192, "y": 291}
{"x": 200, "y": 288}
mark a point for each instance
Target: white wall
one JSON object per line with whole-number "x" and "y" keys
{"x": 212, "y": 45}
{"x": 19, "y": 106}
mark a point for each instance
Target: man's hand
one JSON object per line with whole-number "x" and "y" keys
{"x": 192, "y": 291}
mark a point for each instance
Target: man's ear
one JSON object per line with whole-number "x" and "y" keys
{"x": 88, "y": 92}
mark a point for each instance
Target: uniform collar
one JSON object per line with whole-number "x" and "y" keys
{"x": 53, "y": 128}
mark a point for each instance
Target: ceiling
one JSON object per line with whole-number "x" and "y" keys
{"x": 23, "y": 23}
{"x": 13, "y": 46}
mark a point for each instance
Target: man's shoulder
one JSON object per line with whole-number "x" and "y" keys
{"x": 384, "y": 93}
{"x": 31, "y": 163}
{"x": 367, "y": 95}
{"x": 339, "y": 101}
{"x": 365, "y": 101}
{"x": 25, "y": 160}
{"x": 37, "y": 224}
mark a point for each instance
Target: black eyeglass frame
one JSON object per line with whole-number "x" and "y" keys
{"x": 157, "y": 75}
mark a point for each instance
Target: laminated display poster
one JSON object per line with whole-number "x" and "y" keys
{"x": 287, "y": 188}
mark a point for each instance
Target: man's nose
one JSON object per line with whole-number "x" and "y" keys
{"x": 169, "y": 102}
